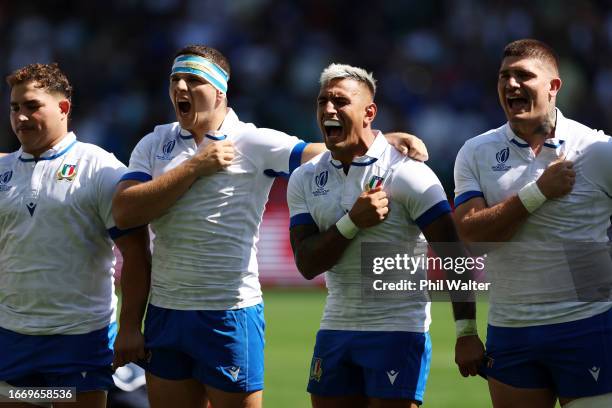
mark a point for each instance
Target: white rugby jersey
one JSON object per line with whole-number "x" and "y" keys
{"x": 496, "y": 165}
{"x": 56, "y": 257}
{"x": 319, "y": 192}
{"x": 204, "y": 253}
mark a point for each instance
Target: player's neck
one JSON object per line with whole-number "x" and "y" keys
{"x": 212, "y": 123}
{"x": 536, "y": 132}
{"x": 50, "y": 141}
{"x": 357, "y": 149}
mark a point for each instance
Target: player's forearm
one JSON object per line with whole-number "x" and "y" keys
{"x": 140, "y": 203}
{"x": 442, "y": 236}
{"x": 135, "y": 286}
{"x": 493, "y": 224}
{"x": 135, "y": 277}
{"x": 319, "y": 253}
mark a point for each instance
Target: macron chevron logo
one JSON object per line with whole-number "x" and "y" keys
{"x": 234, "y": 371}
{"x": 392, "y": 376}
{"x": 594, "y": 372}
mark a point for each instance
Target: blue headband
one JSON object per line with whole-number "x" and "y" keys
{"x": 202, "y": 67}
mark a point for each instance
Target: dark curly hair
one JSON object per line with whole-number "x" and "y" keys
{"x": 48, "y": 76}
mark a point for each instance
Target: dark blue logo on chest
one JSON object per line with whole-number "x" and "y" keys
{"x": 4, "y": 180}
{"x": 502, "y": 157}
{"x": 167, "y": 150}
{"x": 321, "y": 181}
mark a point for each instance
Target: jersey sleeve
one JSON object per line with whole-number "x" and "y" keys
{"x": 108, "y": 173}
{"x": 417, "y": 187}
{"x": 298, "y": 209}
{"x": 467, "y": 185}
{"x": 141, "y": 160}
{"x": 598, "y": 167}
{"x": 275, "y": 153}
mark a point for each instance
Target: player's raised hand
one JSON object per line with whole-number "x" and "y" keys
{"x": 129, "y": 346}
{"x": 214, "y": 157}
{"x": 558, "y": 179}
{"x": 469, "y": 354}
{"x": 371, "y": 208}
{"x": 408, "y": 145}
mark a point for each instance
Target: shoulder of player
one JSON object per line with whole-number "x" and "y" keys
{"x": 156, "y": 139}
{"x": 490, "y": 136}
{"x": 410, "y": 171}
{"x": 161, "y": 133}
{"x": 312, "y": 166}
{"x": 249, "y": 134}
{"x": 8, "y": 157}
{"x": 583, "y": 135}
{"x": 493, "y": 138}
{"x": 88, "y": 154}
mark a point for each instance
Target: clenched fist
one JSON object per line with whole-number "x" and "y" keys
{"x": 558, "y": 179}
{"x": 371, "y": 208}
{"x": 214, "y": 157}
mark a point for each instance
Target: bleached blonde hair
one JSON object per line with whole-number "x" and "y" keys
{"x": 336, "y": 71}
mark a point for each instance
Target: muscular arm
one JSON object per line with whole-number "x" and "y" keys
{"x": 138, "y": 203}
{"x": 316, "y": 252}
{"x": 478, "y": 223}
{"x": 135, "y": 283}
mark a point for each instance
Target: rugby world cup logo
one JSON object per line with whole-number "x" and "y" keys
{"x": 321, "y": 181}
{"x": 167, "y": 149}
{"x": 4, "y": 180}
{"x": 502, "y": 157}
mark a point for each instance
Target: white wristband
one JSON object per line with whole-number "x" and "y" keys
{"x": 531, "y": 196}
{"x": 466, "y": 327}
{"x": 347, "y": 227}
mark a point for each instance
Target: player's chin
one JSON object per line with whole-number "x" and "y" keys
{"x": 185, "y": 119}
{"x": 515, "y": 115}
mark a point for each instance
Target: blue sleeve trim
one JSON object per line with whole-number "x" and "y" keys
{"x": 468, "y": 195}
{"x": 295, "y": 158}
{"x": 136, "y": 175}
{"x": 272, "y": 173}
{"x": 301, "y": 219}
{"x": 429, "y": 216}
{"x": 115, "y": 232}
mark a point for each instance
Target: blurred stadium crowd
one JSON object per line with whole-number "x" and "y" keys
{"x": 436, "y": 61}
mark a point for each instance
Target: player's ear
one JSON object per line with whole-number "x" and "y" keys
{"x": 64, "y": 106}
{"x": 220, "y": 96}
{"x": 370, "y": 113}
{"x": 555, "y": 86}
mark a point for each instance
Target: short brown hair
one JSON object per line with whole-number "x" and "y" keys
{"x": 49, "y": 76}
{"x": 208, "y": 53}
{"x": 531, "y": 48}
